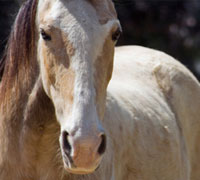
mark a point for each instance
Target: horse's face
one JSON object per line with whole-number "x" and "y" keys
{"x": 75, "y": 52}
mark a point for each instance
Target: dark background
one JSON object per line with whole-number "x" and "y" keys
{"x": 172, "y": 26}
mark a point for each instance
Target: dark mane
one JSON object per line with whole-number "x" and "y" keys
{"x": 21, "y": 42}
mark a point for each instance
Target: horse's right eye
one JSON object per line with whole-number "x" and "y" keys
{"x": 44, "y": 35}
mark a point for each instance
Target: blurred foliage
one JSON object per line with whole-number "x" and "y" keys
{"x": 172, "y": 26}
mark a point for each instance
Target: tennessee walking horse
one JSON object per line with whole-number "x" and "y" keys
{"x": 61, "y": 119}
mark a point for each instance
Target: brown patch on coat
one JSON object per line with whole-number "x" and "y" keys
{"x": 57, "y": 54}
{"x": 103, "y": 74}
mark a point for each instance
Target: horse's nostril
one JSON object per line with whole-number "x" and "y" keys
{"x": 102, "y": 146}
{"x": 66, "y": 145}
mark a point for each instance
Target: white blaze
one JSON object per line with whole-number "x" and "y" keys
{"x": 79, "y": 21}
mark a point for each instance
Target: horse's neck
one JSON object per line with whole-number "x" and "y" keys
{"x": 14, "y": 96}
{"x": 38, "y": 113}
{"x": 40, "y": 131}
{"x": 26, "y": 123}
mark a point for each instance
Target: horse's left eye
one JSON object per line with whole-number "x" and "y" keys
{"x": 44, "y": 35}
{"x": 116, "y": 34}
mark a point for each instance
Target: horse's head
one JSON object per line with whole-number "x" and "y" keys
{"x": 76, "y": 47}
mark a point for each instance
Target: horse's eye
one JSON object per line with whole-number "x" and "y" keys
{"x": 116, "y": 34}
{"x": 44, "y": 35}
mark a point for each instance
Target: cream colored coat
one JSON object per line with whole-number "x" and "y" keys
{"x": 153, "y": 117}
{"x": 152, "y": 123}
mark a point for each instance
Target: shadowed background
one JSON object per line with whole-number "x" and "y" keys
{"x": 172, "y": 26}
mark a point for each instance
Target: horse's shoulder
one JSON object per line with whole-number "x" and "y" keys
{"x": 148, "y": 102}
{"x": 149, "y": 63}
{"x": 158, "y": 77}
{"x": 161, "y": 74}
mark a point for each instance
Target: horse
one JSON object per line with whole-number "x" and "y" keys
{"x": 72, "y": 109}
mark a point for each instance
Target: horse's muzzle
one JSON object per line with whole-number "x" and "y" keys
{"x": 82, "y": 154}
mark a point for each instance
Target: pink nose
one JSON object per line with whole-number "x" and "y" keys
{"x": 83, "y": 152}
